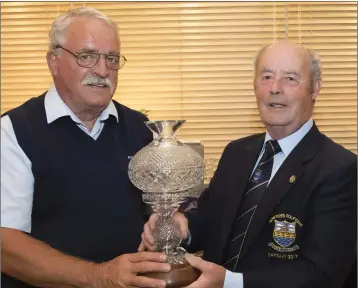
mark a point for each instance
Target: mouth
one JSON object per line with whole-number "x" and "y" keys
{"x": 277, "y": 105}
{"x": 98, "y": 85}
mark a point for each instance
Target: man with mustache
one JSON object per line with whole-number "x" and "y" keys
{"x": 69, "y": 215}
{"x": 281, "y": 208}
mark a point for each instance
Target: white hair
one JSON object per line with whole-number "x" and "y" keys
{"x": 59, "y": 26}
{"x": 315, "y": 69}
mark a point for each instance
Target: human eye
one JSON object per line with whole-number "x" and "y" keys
{"x": 86, "y": 57}
{"x": 266, "y": 77}
{"x": 291, "y": 79}
{"x": 112, "y": 59}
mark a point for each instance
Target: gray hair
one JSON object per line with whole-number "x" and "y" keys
{"x": 315, "y": 66}
{"x": 315, "y": 69}
{"x": 59, "y": 26}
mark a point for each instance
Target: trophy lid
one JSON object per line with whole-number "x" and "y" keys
{"x": 164, "y": 128}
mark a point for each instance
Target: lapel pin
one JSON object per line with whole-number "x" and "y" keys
{"x": 292, "y": 179}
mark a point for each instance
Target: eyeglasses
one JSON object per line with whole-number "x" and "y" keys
{"x": 90, "y": 59}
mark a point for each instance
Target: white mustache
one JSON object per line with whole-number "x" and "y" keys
{"x": 96, "y": 80}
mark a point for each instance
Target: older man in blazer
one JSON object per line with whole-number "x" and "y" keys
{"x": 281, "y": 208}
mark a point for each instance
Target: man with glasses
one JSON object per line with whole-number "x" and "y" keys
{"x": 90, "y": 58}
{"x": 70, "y": 216}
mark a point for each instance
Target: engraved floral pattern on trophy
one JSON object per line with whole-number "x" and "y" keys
{"x": 166, "y": 170}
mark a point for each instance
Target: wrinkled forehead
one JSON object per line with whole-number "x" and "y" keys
{"x": 85, "y": 30}
{"x": 285, "y": 57}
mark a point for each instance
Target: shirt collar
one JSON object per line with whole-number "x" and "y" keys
{"x": 288, "y": 143}
{"x": 56, "y": 108}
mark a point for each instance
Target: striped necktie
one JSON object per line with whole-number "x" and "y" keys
{"x": 255, "y": 189}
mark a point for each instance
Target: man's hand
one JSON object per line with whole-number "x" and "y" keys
{"x": 148, "y": 242}
{"x": 122, "y": 271}
{"x": 212, "y": 275}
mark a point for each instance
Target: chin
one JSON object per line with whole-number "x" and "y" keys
{"x": 99, "y": 103}
{"x": 275, "y": 121}
{"x": 98, "y": 98}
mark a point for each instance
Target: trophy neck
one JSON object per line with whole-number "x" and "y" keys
{"x": 164, "y": 128}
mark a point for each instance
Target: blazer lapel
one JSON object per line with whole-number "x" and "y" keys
{"x": 237, "y": 179}
{"x": 280, "y": 185}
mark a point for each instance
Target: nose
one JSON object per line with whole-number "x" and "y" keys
{"x": 100, "y": 68}
{"x": 276, "y": 87}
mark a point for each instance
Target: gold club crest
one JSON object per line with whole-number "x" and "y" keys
{"x": 284, "y": 235}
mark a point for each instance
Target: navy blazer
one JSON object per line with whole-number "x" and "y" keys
{"x": 315, "y": 189}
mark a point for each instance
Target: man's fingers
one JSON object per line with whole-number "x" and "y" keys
{"x": 152, "y": 220}
{"x": 146, "y": 256}
{"x": 144, "y": 246}
{"x": 143, "y": 267}
{"x": 196, "y": 262}
{"x": 183, "y": 224}
{"x": 147, "y": 236}
{"x": 141, "y": 281}
{"x": 141, "y": 247}
{"x": 148, "y": 246}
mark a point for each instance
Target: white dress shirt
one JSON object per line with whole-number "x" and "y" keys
{"x": 17, "y": 180}
{"x": 287, "y": 144}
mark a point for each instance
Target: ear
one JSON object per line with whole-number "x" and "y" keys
{"x": 52, "y": 62}
{"x": 316, "y": 89}
{"x": 254, "y": 79}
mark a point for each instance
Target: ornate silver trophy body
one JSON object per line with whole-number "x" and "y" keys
{"x": 166, "y": 170}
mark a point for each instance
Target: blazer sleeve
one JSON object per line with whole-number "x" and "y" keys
{"x": 200, "y": 219}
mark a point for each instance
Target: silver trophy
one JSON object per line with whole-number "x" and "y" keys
{"x": 167, "y": 171}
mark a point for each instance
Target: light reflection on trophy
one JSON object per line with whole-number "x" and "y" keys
{"x": 166, "y": 170}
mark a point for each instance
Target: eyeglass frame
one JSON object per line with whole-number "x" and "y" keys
{"x": 76, "y": 55}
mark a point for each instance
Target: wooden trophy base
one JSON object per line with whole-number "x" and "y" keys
{"x": 179, "y": 276}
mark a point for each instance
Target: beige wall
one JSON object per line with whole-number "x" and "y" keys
{"x": 193, "y": 60}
